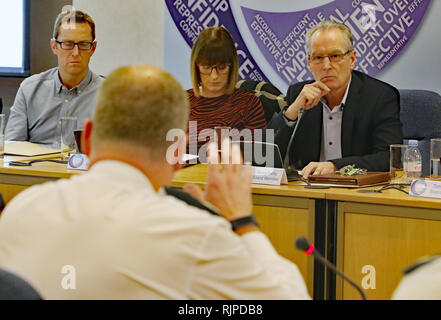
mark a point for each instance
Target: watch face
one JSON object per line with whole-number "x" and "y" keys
{"x": 419, "y": 187}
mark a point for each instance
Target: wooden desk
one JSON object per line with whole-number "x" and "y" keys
{"x": 387, "y": 231}
{"x": 14, "y": 179}
{"x": 364, "y": 232}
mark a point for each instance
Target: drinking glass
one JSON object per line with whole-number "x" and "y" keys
{"x": 435, "y": 159}
{"x": 397, "y": 173}
{"x": 67, "y": 139}
{"x": 2, "y": 136}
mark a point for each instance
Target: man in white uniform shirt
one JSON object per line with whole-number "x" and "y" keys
{"x": 120, "y": 235}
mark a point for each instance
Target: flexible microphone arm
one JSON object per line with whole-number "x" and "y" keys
{"x": 302, "y": 243}
{"x": 286, "y": 159}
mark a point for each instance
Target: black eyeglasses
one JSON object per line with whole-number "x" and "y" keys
{"x": 222, "y": 68}
{"x": 69, "y": 45}
{"x": 333, "y": 58}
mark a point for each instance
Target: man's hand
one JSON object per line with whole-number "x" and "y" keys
{"x": 228, "y": 184}
{"x": 315, "y": 168}
{"x": 308, "y": 98}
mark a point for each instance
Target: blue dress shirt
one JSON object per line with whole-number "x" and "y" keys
{"x": 42, "y": 100}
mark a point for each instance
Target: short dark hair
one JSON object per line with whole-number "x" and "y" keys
{"x": 73, "y": 16}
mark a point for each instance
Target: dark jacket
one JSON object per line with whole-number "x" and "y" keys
{"x": 371, "y": 122}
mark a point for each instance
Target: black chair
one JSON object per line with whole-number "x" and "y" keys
{"x": 272, "y": 99}
{"x": 12, "y": 287}
{"x": 421, "y": 117}
{"x": 2, "y": 203}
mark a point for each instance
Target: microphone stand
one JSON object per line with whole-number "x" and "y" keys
{"x": 303, "y": 244}
{"x": 292, "y": 173}
{"x": 291, "y": 139}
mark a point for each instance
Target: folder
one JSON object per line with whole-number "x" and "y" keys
{"x": 355, "y": 180}
{"x": 27, "y": 149}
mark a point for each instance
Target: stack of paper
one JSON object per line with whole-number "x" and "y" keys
{"x": 27, "y": 149}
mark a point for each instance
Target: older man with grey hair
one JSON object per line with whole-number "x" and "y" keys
{"x": 112, "y": 233}
{"x": 347, "y": 118}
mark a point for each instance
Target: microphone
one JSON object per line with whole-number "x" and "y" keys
{"x": 286, "y": 160}
{"x": 302, "y": 243}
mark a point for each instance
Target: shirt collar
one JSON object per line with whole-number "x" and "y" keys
{"x": 123, "y": 173}
{"x": 343, "y": 101}
{"x": 79, "y": 88}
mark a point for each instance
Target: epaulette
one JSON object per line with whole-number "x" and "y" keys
{"x": 419, "y": 263}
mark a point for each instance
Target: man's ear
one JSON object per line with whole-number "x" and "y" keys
{"x": 93, "y": 48}
{"x": 353, "y": 59}
{"x": 53, "y": 45}
{"x": 86, "y": 137}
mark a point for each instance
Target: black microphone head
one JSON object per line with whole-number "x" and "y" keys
{"x": 302, "y": 243}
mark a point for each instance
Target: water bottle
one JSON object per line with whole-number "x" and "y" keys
{"x": 412, "y": 161}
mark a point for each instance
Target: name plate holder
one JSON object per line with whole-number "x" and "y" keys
{"x": 425, "y": 188}
{"x": 78, "y": 161}
{"x": 271, "y": 176}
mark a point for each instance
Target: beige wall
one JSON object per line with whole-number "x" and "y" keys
{"x": 128, "y": 32}
{"x": 42, "y": 17}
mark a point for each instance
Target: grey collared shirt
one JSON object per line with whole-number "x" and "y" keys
{"x": 42, "y": 100}
{"x": 331, "y": 133}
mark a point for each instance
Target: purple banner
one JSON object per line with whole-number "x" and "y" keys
{"x": 192, "y": 16}
{"x": 381, "y": 29}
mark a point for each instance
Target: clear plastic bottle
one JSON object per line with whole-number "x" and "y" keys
{"x": 412, "y": 161}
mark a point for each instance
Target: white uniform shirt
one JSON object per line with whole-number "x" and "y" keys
{"x": 422, "y": 284}
{"x": 109, "y": 235}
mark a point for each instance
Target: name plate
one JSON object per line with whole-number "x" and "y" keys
{"x": 272, "y": 176}
{"x": 78, "y": 161}
{"x": 425, "y": 188}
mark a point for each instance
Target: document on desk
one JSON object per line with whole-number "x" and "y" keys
{"x": 27, "y": 149}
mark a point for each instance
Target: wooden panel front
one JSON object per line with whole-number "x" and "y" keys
{"x": 383, "y": 243}
{"x": 283, "y": 225}
{"x": 10, "y": 191}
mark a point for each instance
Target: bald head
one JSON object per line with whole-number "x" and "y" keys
{"x": 138, "y": 105}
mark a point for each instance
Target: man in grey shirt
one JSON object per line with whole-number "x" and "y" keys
{"x": 67, "y": 90}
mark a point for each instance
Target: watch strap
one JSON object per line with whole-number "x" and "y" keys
{"x": 237, "y": 223}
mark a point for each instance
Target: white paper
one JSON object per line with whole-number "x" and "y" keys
{"x": 271, "y": 176}
{"x": 28, "y": 149}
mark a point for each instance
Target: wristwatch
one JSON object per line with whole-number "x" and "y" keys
{"x": 237, "y": 223}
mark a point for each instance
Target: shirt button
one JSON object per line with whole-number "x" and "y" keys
{"x": 330, "y": 143}
{"x": 330, "y": 118}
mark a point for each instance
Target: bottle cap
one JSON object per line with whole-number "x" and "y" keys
{"x": 413, "y": 143}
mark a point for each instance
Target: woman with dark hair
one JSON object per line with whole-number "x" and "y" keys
{"x": 214, "y": 100}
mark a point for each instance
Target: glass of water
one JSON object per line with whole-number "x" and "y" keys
{"x": 435, "y": 159}
{"x": 2, "y": 136}
{"x": 67, "y": 139}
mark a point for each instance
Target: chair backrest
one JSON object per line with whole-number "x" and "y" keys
{"x": 272, "y": 99}
{"x": 2, "y": 203}
{"x": 421, "y": 117}
{"x": 12, "y": 287}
